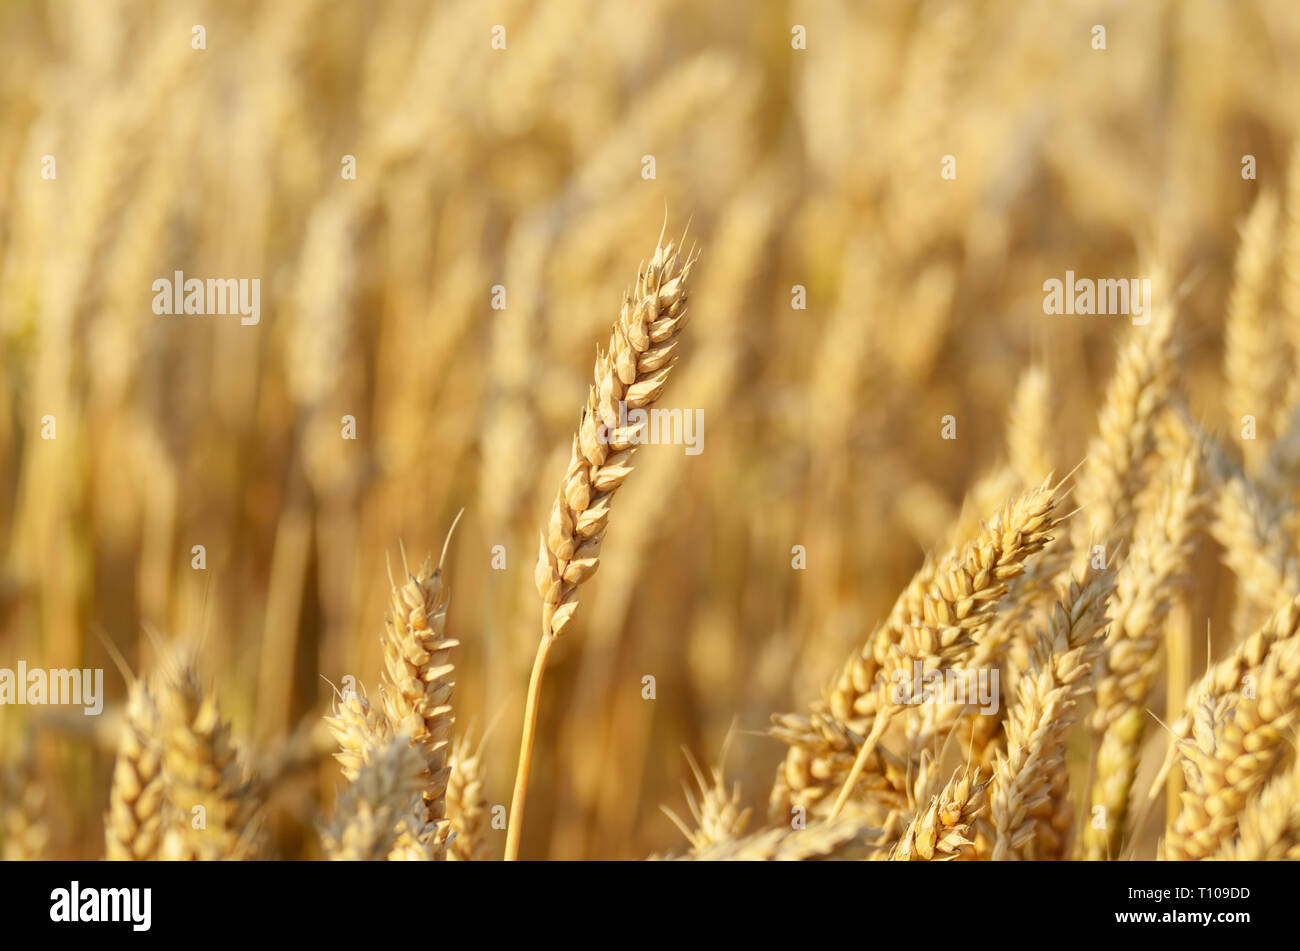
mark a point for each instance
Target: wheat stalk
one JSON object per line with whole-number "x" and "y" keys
{"x": 629, "y": 376}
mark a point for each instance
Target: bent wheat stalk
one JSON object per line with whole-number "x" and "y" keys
{"x": 628, "y": 376}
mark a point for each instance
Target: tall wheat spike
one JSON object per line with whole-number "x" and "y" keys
{"x": 630, "y": 375}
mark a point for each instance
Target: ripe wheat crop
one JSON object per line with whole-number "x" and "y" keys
{"x": 914, "y": 557}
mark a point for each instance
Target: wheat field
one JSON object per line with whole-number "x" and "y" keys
{"x": 336, "y": 338}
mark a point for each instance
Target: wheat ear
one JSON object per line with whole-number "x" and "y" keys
{"x": 417, "y": 682}
{"x": 718, "y": 814}
{"x": 1268, "y": 828}
{"x": 847, "y": 838}
{"x": 1227, "y": 676}
{"x": 943, "y": 830}
{"x": 1046, "y": 697}
{"x": 1030, "y": 424}
{"x": 966, "y": 585}
{"x": 370, "y": 811}
{"x": 1235, "y": 742}
{"x": 946, "y": 619}
{"x": 1256, "y": 546}
{"x": 201, "y": 769}
{"x": 1151, "y": 578}
{"x": 133, "y": 826}
{"x": 629, "y": 376}
{"x": 23, "y": 825}
{"x": 360, "y": 730}
{"x": 1255, "y": 357}
{"x": 1113, "y": 473}
{"x": 467, "y": 805}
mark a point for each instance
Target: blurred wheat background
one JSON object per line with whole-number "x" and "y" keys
{"x": 523, "y": 167}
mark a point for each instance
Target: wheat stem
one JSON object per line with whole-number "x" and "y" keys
{"x": 514, "y": 828}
